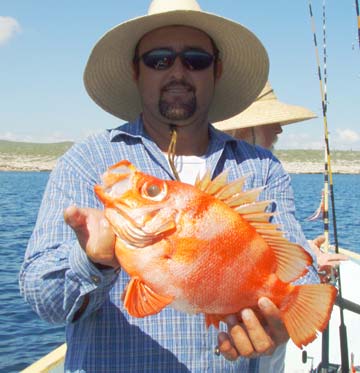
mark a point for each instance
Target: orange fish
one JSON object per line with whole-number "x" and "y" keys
{"x": 207, "y": 248}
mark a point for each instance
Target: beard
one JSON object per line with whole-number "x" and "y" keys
{"x": 178, "y": 108}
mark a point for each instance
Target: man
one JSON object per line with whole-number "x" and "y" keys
{"x": 260, "y": 124}
{"x": 179, "y": 69}
{"x": 262, "y": 121}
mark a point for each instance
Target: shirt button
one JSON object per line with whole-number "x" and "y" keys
{"x": 95, "y": 279}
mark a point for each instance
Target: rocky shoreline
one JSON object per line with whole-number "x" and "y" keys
{"x": 339, "y": 167}
{"x": 23, "y": 163}
{"x": 47, "y": 163}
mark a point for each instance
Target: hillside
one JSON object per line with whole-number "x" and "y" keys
{"x": 23, "y": 156}
{"x": 312, "y": 161}
{"x": 34, "y": 149}
{"x": 26, "y": 156}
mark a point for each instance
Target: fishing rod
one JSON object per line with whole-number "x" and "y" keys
{"x": 328, "y": 181}
{"x": 358, "y": 19}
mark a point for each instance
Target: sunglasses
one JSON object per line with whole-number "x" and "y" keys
{"x": 163, "y": 58}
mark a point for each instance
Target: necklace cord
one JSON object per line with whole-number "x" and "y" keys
{"x": 172, "y": 151}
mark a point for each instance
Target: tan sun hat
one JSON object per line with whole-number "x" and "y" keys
{"x": 108, "y": 74}
{"x": 267, "y": 109}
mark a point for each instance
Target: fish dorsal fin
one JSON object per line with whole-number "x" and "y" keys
{"x": 203, "y": 182}
{"x": 217, "y": 184}
{"x": 242, "y": 198}
{"x": 231, "y": 193}
{"x": 291, "y": 258}
{"x": 219, "y": 187}
{"x": 231, "y": 189}
{"x": 252, "y": 208}
{"x": 140, "y": 300}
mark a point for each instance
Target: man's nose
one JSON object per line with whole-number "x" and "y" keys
{"x": 178, "y": 70}
{"x": 278, "y": 129}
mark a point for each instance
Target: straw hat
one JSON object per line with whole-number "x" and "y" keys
{"x": 108, "y": 73}
{"x": 267, "y": 109}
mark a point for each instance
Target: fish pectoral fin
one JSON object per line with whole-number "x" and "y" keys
{"x": 308, "y": 311}
{"x": 140, "y": 300}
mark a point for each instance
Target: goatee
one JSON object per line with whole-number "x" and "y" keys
{"x": 178, "y": 108}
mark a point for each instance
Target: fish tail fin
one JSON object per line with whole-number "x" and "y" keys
{"x": 308, "y": 311}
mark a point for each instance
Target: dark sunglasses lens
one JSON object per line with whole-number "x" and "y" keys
{"x": 197, "y": 60}
{"x": 159, "y": 59}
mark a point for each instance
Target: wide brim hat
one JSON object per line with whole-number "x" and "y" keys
{"x": 108, "y": 74}
{"x": 266, "y": 110}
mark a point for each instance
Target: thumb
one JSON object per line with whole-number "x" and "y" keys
{"x": 76, "y": 218}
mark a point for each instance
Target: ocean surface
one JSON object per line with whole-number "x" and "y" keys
{"x": 24, "y": 337}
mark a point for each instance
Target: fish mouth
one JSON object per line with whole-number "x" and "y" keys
{"x": 137, "y": 226}
{"x": 117, "y": 180}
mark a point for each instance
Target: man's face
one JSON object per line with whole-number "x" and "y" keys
{"x": 176, "y": 94}
{"x": 267, "y": 135}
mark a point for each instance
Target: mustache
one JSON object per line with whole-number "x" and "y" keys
{"x": 177, "y": 83}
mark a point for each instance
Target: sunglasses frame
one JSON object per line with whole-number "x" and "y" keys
{"x": 173, "y": 55}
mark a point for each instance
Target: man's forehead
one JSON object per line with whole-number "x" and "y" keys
{"x": 176, "y": 34}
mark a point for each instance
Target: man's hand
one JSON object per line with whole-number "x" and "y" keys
{"x": 325, "y": 258}
{"x": 251, "y": 338}
{"x": 327, "y": 262}
{"x": 94, "y": 234}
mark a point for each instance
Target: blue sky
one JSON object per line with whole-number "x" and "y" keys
{"x": 44, "y": 46}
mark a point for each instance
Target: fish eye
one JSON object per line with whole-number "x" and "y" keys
{"x": 154, "y": 191}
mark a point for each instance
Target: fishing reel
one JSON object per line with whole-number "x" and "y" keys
{"x": 329, "y": 275}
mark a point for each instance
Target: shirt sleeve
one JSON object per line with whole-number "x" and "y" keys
{"x": 57, "y": 275}
{"x": 279, "y": 189}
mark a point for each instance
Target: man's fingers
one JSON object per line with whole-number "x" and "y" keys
{"x": 276, "y": 326}
{"x": 226, "y": 347}
{"x": 248, "y": 339}
{"x": 239, "y": 336}
{"x": 260, "y": 340}
{"x": 330, "y": 260}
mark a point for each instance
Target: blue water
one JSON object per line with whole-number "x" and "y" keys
{"x": 25, "y": 338}
{"x": 307, "y": 189}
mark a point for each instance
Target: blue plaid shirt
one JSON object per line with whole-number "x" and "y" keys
{"x": 56, "y": 273}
